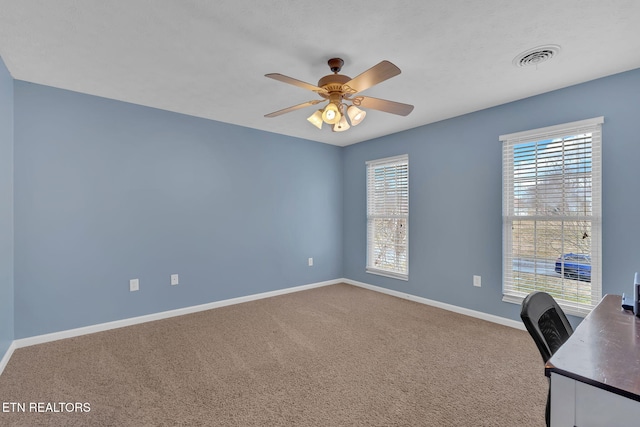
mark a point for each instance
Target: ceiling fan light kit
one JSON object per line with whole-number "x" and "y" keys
{"x": 339, "y": 90}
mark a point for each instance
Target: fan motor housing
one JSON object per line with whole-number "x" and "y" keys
{"x": 333, "y": 82}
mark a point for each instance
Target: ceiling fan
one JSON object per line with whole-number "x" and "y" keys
{"x": 340, "y": 90}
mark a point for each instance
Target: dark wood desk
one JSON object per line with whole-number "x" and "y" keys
{"x": 597, "y": 371}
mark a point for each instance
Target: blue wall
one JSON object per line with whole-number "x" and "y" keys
{"x": 455, "y": 225}
{"x": 6, "y": 209}
{"x": 107, "y": 191}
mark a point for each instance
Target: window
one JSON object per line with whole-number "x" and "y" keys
{"x": 388, "y": 217}
{"x": 552, "y": 214}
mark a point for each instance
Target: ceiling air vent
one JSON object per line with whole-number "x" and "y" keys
{"x": 536, "y": 56}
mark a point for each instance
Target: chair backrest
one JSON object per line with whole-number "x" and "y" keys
{"x": 546, "y": 322}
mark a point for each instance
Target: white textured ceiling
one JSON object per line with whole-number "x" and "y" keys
{"x": 207, "y": 58}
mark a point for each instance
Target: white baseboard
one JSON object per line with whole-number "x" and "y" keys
{"x": 40, "y": 339}
{"x": 7, "y": 356}
{"x": 467, "y": 312}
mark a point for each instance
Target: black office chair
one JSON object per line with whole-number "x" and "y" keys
{"x": 548, "y": 326}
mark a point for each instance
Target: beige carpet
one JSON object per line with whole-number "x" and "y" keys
{"x": 332, "y": 356}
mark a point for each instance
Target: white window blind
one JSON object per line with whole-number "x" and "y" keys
{"x": 388, "y": 217}
{"x": 552, "y": 214}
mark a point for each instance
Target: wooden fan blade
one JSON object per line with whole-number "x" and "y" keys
{"x": 374, "y": 75}
{"x": 383, "y": 105}
{"x": 295, "y": 107}
{"x": 295, "y": 82}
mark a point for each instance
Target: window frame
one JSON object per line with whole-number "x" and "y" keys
{"x": 401, "y": 212}
{"x": 509, "y": 141}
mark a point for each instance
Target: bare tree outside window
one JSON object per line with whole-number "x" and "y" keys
{"x": 555, "y": 182}
{"x": 390, "y": 244}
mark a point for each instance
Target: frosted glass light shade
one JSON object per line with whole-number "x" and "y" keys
{"x": 342, "y": 125}
{"x": 331, "y": 114}
{"x": 316, "y": 119}
{"x": 355, "y": 114}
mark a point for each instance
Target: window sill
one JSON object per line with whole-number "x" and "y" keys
{"x": 390, "y": 274}
{"x": 572, "y": 310}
